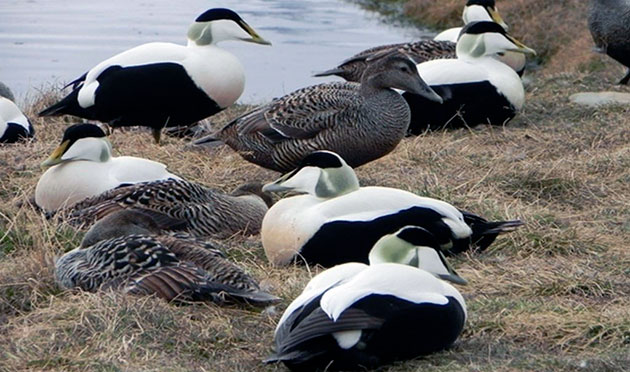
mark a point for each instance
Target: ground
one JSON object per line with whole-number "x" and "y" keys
{"x": 552, "y": 296}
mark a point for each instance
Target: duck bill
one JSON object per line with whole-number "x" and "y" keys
{"x": 255, "y": 37}
{"x": 496, "y": 17}
{"x": 55, "y": 157}
{"x": 421, "y": 88}
{"x": 277, "y": 185}
{"x": 452, "y": 276}
{"x": 521, "y": 48}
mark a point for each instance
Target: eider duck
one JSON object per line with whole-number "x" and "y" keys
{"x": 420, "y": 51}
{"x": 83, "y": 166}
{"x": 609, "y": 23}
{"x": 426, "y": 50}
{"x": 475, "y": 87}
{"x": 162, "y": 84}
{"x": 475, "y": 10}
{"x": 179, "y": 205}
{"x": 362, "y": 122}
{"x": 14, "y": 125}
{"x": 172, "y": 267}
{"x": 338, "y": 221}
{"x": 357, "y": 317}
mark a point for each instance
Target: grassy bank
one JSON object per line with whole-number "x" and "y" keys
{"x": 552, "y": 296}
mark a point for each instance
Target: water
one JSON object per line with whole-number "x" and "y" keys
{"x": 45, "y": 43}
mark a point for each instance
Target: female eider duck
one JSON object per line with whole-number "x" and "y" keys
{"x": 179, "y": 205}
{"x": 609, "y": 23}
{"x": 337, "y": 221}
{"x": 14, "y": 125}
{"x": 83, "y": 166}
{"x": 357, "y": 317}
{"x": 475, "y": 87}
{"x": 172, "y": 267}
{"x": 362, "y": 122}
{"x": 162, "y": 84}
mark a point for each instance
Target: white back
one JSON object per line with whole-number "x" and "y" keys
{"x": 401, "y": 281}
{"x": 10, "y": 113}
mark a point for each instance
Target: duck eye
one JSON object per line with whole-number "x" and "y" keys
{"x": 404, "y": 69}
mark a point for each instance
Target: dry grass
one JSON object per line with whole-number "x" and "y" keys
{"x": 553, "y": 296}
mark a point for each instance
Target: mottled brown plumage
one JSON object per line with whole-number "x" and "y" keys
{"x": 420, "y": 51}
{"x": 171, "y": 267}
{"x": 178, "y": 205}
{"x": 362, "y": 122}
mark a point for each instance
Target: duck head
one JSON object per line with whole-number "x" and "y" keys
{"x": 220, "y": 24}
{"x": 322, "y": 173}
{"x": 6, "y": 92}
{"x": 480, "y": 39}
{"x": 414, "y": 246}
{"x": 81, "y": 142}
{"x": 482, "y": 10}
{"x": 398, "y": 71}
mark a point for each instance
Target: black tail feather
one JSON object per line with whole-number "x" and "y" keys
{"x": 67, "y": 106}
{"x": 483, "y": 232}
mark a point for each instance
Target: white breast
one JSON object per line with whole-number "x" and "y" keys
{"x": 67, "y": 183}
{"x": 291, "y": 222}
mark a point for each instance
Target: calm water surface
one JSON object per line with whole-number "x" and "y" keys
{"x": 46, "y": 43}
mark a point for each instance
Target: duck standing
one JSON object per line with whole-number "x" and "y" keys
{"x": 362, "y": 122}
{"x": 161, "y": 85}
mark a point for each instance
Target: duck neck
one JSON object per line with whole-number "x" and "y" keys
{"x": 373, "y": 86}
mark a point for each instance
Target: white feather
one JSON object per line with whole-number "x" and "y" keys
{"x": 66, "y": 183}
{"x": 458, "y": 71}
{"x": 292, "y": 221}
{"x": 215, "y": 71}
{"x": 405, "y": 282}
{"x": 10, "y": 113}
{"x": 321, "y": 283}
{"x": 450, "y": 34}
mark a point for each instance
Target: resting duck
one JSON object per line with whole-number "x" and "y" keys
{"x": 14, "y": 125}
{"x": 362, "y": 122}
{"x": 356, "y": 317}
{"x": 338, "y": 221}
{"x": 178, "y": 205}
{"x": 83, "y": 166}
{"x": 176, "y": 268}
{"x": 475, "y": 87}
{"x": 161, "y": 85}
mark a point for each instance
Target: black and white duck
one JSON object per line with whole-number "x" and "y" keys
{"x": 160, "y": 84}
{"x": 337, "y": 221}
{"x": 83, "y": 166}
{"x": 357, "y": 317}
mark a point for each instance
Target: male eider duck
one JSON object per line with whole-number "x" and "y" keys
{"x": 475, "y": 10}
{"x": 362, "y": 122}
{"x": 14, "y": 125}
{"x": 357, "y": 317}
{"x": 162, "y": 84}
{"x": 475, "y": 87}
{"x": 338, "y": 221}
{"x": 609, "y": 23}
{"x": 179, "y": 205}
{"x": 83, "y": 166}
{"x": 172, "y": 267}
